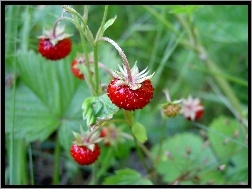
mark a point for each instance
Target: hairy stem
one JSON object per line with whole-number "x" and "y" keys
{"x": 130, "y": 120}
{"x": 121, "y": 53}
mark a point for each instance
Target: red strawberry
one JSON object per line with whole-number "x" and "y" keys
{"x": 128, "y": 99}
{"x": 192, "y": 109}
{"x": 83, "y": 155}
{"x": 54, "y": 52}
{"x": 130, "y": 92}
{"x": 198, "y": 114}
{"x": 55, "y": 44}
{"x": 75, "y": 70}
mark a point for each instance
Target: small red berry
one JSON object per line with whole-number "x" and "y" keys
{"x": 75, "y": 70}
{"x": 83, "y": 155}
{"x": 55, "y": 44}
{"x": 192, "y": 109}
{"x": 54, "y": 52}
{"x": 198, "y": 114}
{"x": 104, "y": 132}
{"x": 128, "y": 99}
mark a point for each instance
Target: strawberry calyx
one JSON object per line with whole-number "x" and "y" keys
{"x": 132, "y": 78}
{"x": 55, "y": 35}
{"x": 87, "y": 139}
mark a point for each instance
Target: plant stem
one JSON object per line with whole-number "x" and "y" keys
{"x": 104, "y": 168}
{"x": 160, "y": 143}
{"x": 12, "y": 168}
{"x": 88, "y": 78}
{"x": 100, "y": 31}
{"x": 94, "y": 175}
{"x": 97, "y": 82}
{"x": 130, "y": 120}
{"x": 140, "y": 154}
{"x": 31, "y": 165}
{"x": 56, "y": 161}
{"x": 200, "y": 50}
{"x": 85, "y": 15}
{"x": 121, "y": 53}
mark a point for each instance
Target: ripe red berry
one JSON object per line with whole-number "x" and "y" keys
{"x": 75, "y": 70}
{"x": 83, "y": 155}
{"x": 54, "y": 52}
{"x": 54, "y": 44}
{"x": 192, "y": 109}
{"x": 125, "y": 97}
{"x": 199, "y": 114}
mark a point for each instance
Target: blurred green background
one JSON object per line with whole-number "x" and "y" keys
{"x": 47, "y": 98}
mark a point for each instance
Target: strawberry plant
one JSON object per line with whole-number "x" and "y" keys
{"x": 156, "y": 95}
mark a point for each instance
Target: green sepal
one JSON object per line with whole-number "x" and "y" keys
{"x": 98, "y": 109}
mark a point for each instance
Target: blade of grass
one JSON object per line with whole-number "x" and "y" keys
{"x": 12, "y": 159}
{"x": 168, "y": 52}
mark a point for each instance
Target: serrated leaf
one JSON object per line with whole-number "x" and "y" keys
{"x": 96, "y": 109}
{"x": 139, "y": 132}
{"x": 127, "y": 177}
{"x": 46, "y": 96}
{"x": 226, "y": 137}
{"x": 183, "y": 153}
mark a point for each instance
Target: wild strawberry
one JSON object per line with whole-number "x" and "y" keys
{"x": 75, "y": 70}
{"x": 54, "y": 44}
{"x": 170, "y": 109}
{"x": 192, "y": 109}
{"x": 130, "y": 89}
{"x": 84, "y": 155}
{"x": 110, "y": 135}
{"x": 85, "y": 149}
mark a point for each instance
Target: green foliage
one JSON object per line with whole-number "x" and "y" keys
{"x": 226, "y": 137}
{"x": 49, "y": 99}
{"x": 183, "y": 154}
{"x": 98, "y": 109}
{"x": 127, "y": 177}
{"x": 139, "y": 132}
{"x": 47, "y": 96}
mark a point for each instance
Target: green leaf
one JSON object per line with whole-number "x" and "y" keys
{"x": 105, "y": 27}
{"x": 127, "y": 177}
{"x": 33, "y": 120}
{"x": 47, "y": 95}
{"x": 98, "y": 109}
{"x": 212, "y": 177}
{"x": 226, "y": 137}
{"x": 108, "y": 24}
{"x": 139, "y": 132}
{"x": 227, "y": 24}
{"x": 237, "y": 171}
{"x": 188, "y": 9}
{"x": 183, "y": 154}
